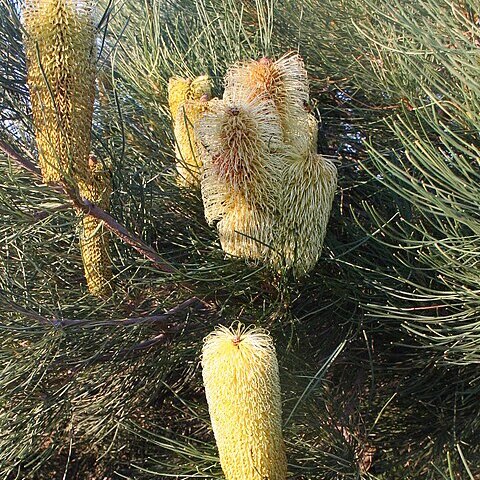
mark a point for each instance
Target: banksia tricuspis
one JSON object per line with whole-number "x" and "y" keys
{"x": 188, "y": 101}
{"x": 182, "y": 89}
{"x": 308, "y": 187}
{"x": 60, "y": 50}
{"x": 263, "y": 181}
{"x": 242, "y": 139}
{"x": 94, "y": 238}
{"x": 189, "y": 160}
{"x": 240, "y": 373}
{"x": 246, "y": 229}
{"x": 242, "y": 146}
{"x": 284, "y": 82}
{"x": 308, "y": 181}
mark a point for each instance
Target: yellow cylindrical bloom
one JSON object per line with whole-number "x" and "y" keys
{"x": 240, "y": 373}
{"x": 242, "y": 138}
{"x": 246, "y": 229}
{"x": 60, "y": 50}
{"x": 308, "y": 184}
{"x": 242, "y": 153}
{"x": 182, "y": 89}
{"x": 188, "y": 102}
{"x": 189, "y": 159}
{"x": 94, "y": 238}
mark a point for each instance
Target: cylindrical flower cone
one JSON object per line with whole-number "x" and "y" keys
{"x": 246, "y": 230}
{"x": 308, "y": 188}
{"x": 242, "y": 158}
{"x": 94, "y": 237}
{"x": 60, "y": 50}
{"x": 285, "y": 83}
{"x": 94, "y": 246}
{"x": 241, "y": 139}
{"x": 240, "y": 373}
{"x": 189, "y": 159}
{"x": 243, "y": 143}
{"x": 182, "y": 89}
{"x": 188, "y": 102}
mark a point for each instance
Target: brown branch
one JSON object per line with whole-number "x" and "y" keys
{"x": 166, "y": 317}
{"x": 130, "y": 353}
{"x": 27, "y": 164}
{"x": 42, "y": 214}
{"x": 88, "y": 208}
{"x": 193, "y": 302}
{"x": 161, "y": 337}
{"x": 125, "y": 235}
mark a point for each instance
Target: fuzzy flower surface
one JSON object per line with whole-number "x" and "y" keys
{"x": 285, "y": 83}
{"x": 240, "y": 373}
{"x": 242, "y": 142}
{"x": 246, "y": 230}
{"x": 308, "y": 187}
{"x": 60, "y": 51}
{"x": 182, "y": 89}
{"x": 188, "y": 100}
{"x": 189, "y": 159}
{"x": 94, "y": 237}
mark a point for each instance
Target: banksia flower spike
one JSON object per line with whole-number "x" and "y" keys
{"x": 189, "y": 160}
{"x": 246, "y": 230}
{"x": 308, "y": 188}
{"x": 242, "y": 148}
{"x": 240, "y": 373}
{"x": 285, "y": 83}
{"x": 242, "y": 139}
{"x": 60, "y": 50}
{"x": 182, "y": 89}
{"x": 94, "y": 238}
{"x": 188, "y": 102}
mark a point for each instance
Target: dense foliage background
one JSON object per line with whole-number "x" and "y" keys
{"x": 378, "y": 346}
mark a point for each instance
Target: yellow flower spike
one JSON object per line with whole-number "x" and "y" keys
{"x": 182, "y": 89}
{"x": 246, "y": 230}
{"x": 178, "y": 89}
{"x": 242, "y": 158}
{"x": 242, "y": 142}
{"x": 309, "y": 186}
{"x": 188, "y": 102}
{"x": 240, "y": 374}
{"x": 285, "y": 83}
{"x": 60, "y": 51}
{"x": 189, "y": 159}
{"x": 199, "y": 87}
{"x": 94, "y": 238}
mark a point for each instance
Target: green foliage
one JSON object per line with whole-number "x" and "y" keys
{"x": 378, "y": 347}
